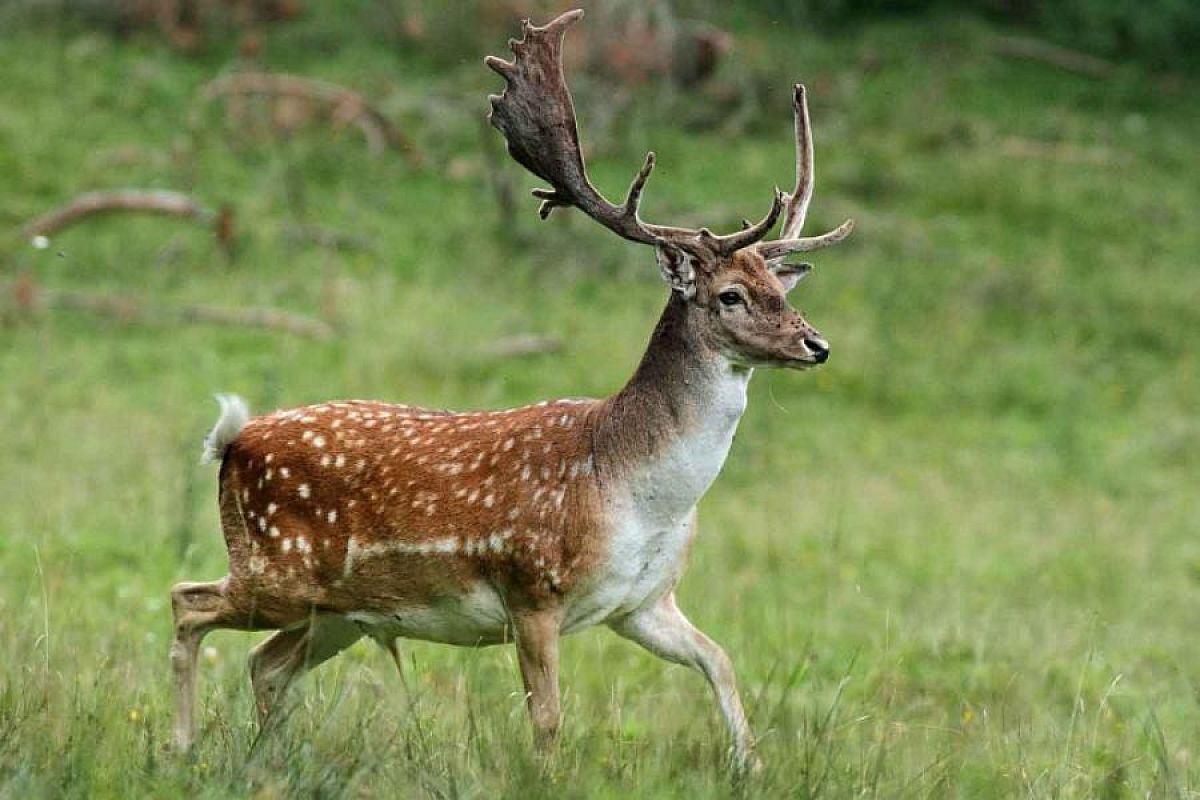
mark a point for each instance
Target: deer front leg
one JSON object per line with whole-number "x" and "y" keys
{"x": 536, "y": 636}
{"x": 665, "y": 631}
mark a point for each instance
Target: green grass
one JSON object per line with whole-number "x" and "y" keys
{"x": 962, "y": 559}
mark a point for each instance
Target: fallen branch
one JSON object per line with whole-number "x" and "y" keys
{"x": 344, "y": 105}
{"x": 1053, "y": 55}
{"x": 28, "y": 297}
{"x": 139, "y": 200}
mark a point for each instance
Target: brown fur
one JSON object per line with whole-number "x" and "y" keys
{"x": 508, "y": 491}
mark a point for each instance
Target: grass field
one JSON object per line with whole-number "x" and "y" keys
{"x": 962, "y": 559}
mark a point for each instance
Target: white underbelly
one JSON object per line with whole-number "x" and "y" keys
{"x": 476, "y": 618}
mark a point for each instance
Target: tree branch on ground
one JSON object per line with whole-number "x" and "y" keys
{"x": 153, "y": 201}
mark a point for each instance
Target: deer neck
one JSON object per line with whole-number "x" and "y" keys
{"x": 666, "y": 434}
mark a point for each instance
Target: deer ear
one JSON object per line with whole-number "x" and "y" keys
{"x": 791, "y": 274}
{"x": 677, "y": 269}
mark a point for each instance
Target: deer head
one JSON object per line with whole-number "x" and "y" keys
{"x": 735, "y": 285}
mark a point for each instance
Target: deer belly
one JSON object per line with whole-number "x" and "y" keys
{"x": 477, "y": 617}
{"x": 643, "y": 562}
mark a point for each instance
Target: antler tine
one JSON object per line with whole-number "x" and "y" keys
{"x": 778, "y": 248}
{"x": 552, "y": 200}
{"x": 633, "y": 197}
{"x": 749, "y": 234}
{"x": 537, "y": 117}
{"x": 797, "y": 202}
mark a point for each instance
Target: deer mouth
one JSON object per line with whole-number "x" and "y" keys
{"x": 780, "y": 361}
{"x": 799, "y": 364}
{"x": 806, "y": 361}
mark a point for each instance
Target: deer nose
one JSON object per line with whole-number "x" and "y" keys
{"x": 818, "y": 347}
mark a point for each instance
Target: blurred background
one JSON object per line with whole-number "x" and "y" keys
{"x": 960, "y": 559}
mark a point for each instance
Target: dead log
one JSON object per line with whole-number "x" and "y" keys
{"x": 151, "y": 201}
{"x": 341, "y": 104}
{"x": 29, "y": 297}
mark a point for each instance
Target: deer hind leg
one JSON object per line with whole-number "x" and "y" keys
{"x": 198, "y": 608}
{"x": 536, "y": 637}
{"x": 391, "y": 645}
{"x": 667, "y": 633}
{"x": 285, "y": 655}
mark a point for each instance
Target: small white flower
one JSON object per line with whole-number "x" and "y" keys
{"x": 211, "y": 654}
{"x": 39, "y": 242}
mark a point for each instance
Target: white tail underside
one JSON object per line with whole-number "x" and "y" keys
{"x": 234, "y": 416}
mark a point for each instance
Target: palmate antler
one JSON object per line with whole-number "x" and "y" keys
{"x": 537, "y": 117}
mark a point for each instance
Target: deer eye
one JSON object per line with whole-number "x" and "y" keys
{"x": 730, "y": 298}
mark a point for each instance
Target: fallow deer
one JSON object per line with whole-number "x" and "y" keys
{"x": 360, "y": 518}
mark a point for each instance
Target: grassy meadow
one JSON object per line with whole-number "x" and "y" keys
{"x": 962, "y": 559}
